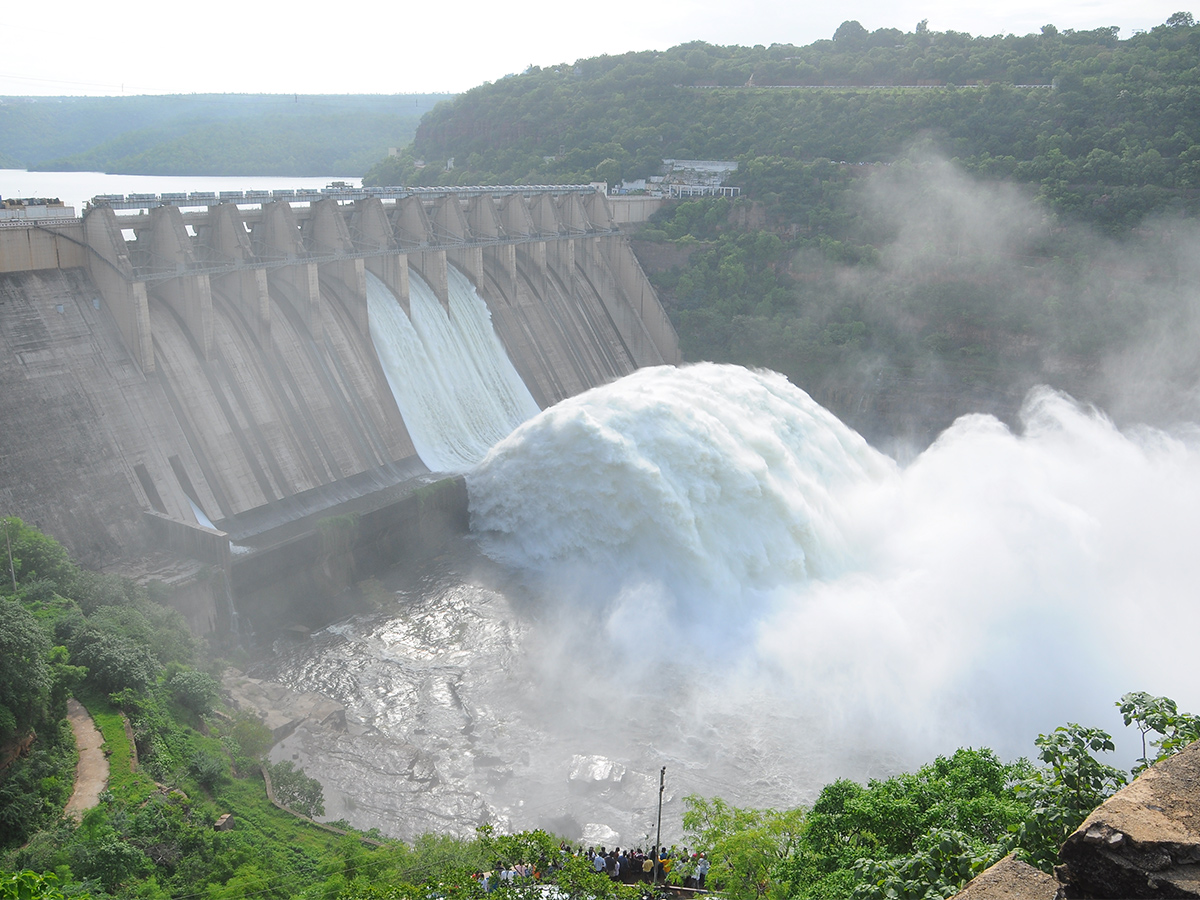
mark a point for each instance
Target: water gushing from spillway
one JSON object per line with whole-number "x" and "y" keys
{"x": 710, "y": 498}
{"x": 707, "y": 570}
{"x": 452, "y": 379}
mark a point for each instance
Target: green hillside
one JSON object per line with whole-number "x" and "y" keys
{"x": 1088, "y": 117}
{"x": 929, "y": 224}
{"x": 208, "y": 134}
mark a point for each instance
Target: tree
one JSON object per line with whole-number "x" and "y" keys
{"x": 247, "y": 740}
{"x": 32, "y": 886}
{"x": 25, "y": 676}
{"x": 1161, "y": 716}
{"x": 114, "y": 662}
{"x": 297, "y": 791}
{"x": 1181, "y": 20}
{"x": 609, "y": 171}
{"x": 1062, "y": 793}
{"x": 850, "y": 34}
{"x": 32, "y": 556}
{"x": 745, "y": 847}
{"x": 194, "y": 689}
{"x": 945, "y": 861}
{"x": 577, "y": 880}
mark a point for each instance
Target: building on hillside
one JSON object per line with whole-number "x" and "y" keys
{"x": 685, "y": 178}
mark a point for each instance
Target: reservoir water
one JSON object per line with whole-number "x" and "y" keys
{"x": 73, "y": 188}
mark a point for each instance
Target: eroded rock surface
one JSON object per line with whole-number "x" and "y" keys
{"x": 1010, "y": 879}
{"x": 281, "y": 709}
{"x": 1144, "y": 841}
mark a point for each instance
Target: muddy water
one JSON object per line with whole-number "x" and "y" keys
{"x": 471, "y": 700}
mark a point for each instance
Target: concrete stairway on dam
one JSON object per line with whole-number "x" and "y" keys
{"x": 211, "y": 376}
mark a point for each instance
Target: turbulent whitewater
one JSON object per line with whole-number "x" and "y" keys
{"x": 702, "y": 568}
{"x": 452, "y": 379}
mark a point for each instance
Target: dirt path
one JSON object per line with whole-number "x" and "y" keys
{"x": 91, "y": 774}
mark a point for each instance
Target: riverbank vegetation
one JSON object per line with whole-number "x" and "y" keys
{"x": 155, "y": 833}
{"x": 922, "y": 294}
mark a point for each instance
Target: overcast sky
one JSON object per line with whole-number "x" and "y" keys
{"x": 367, "y": 46}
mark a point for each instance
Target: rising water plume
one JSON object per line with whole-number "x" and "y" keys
{"x": 453, "y": 382}
{"x": 999, "y": 585}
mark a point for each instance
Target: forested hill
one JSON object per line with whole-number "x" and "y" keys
{"x": 208, "y": 134}
{"x": 1080, "y": 111}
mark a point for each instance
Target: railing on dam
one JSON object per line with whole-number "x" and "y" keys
{"x": 247, "y": 246}
{"x": 151, "y": 273}
{"x": 415, "y": 225}
{"x": 345, "y": 194}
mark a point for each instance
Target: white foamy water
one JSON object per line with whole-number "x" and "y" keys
{"x": 713, "y": 480}
{"x": 999, "y": 585}
{"x": 708, "y": 571}
{"x": 452, "y": 379}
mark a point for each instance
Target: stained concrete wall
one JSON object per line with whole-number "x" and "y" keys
{"x": 296, "y": 577}
{"x": 28, "y": 248}
{"x": 628, "y": 211}
{"x": 80, "y": 417}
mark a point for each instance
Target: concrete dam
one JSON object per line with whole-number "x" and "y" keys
{"x": 191, "y": 384}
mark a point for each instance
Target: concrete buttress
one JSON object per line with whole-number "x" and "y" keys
{"x": 112, "y": 273}
{"x": 277, "y": 236}
{"x": 225, "y": 239}
{"x": 188, "y": 295}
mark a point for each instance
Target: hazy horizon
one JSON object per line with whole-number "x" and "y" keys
{"x": 96, "y": 54}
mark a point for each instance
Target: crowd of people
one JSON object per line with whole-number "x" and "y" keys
{"x": 626, "y": 866}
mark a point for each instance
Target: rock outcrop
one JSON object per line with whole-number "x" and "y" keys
{"x": 282, "y": 710}
{"x": 1010, "y": 879}
{"x": 1144, "y": 841}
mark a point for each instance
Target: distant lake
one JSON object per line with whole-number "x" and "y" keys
{"x": 73, "y": 188}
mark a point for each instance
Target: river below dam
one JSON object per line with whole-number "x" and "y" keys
{"x": 700, "y": 568}
{"x": 469, "y": 701}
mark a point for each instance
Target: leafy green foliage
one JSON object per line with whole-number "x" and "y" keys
{"x": 744, "y": 846}
{"x": 247, "y": 740}
{"x": 114, "y": 662}
{"x": 31, "y": 557}
{"x": 295, "y": 790}
{"x": 944, "y": 861}
{"x": 34, "y": 790}
{"x": 1161, "y": 716}
{"x": 915, "y": 835}
{"x": 25, "y": 676}
{"x": 577, "y": 880}
{"x": 1103, "y": 128}
{"x": 31, "y": 886}
{"x": 1062, "y": 793}
{"x": 195, "y": 690}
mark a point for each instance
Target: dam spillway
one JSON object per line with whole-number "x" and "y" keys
{"x": 166, "y": 355}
